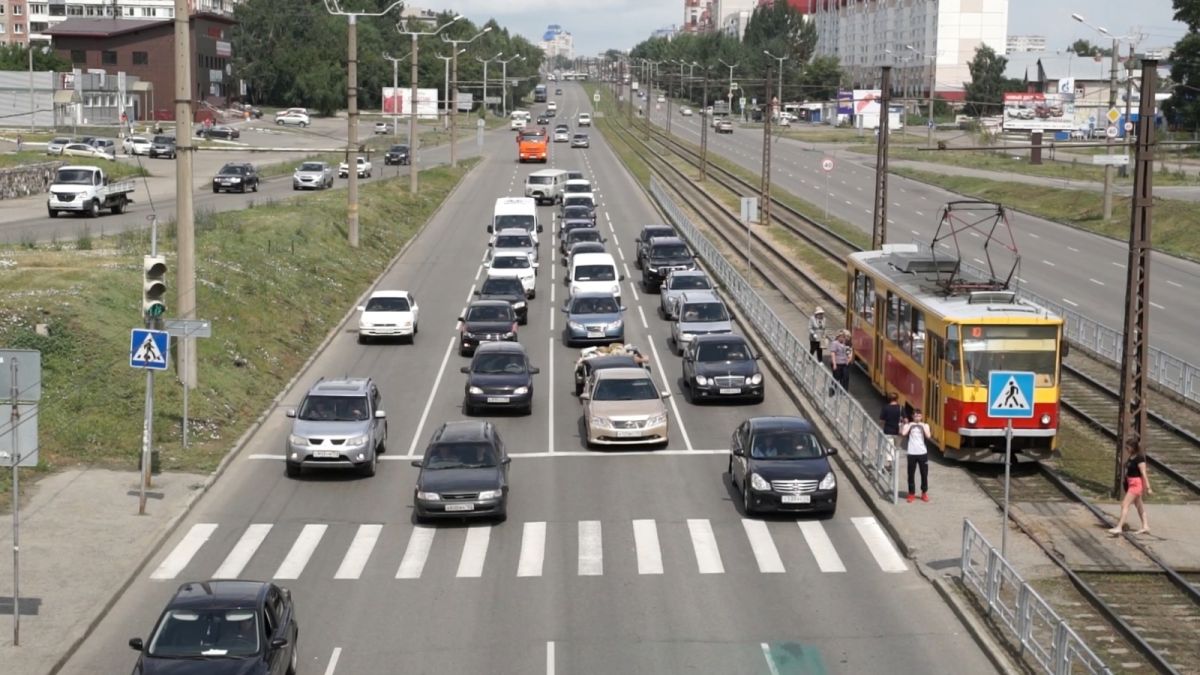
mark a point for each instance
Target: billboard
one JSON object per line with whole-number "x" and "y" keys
{"x": 465, "y": 101}
{"x": 398, "y": 102}
{"x": 1026, "y": 111}
{"x": 866, "y": 101}
{"x": 845, "y": 102}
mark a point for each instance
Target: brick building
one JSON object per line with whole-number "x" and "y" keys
{"x": 145, "y": 48}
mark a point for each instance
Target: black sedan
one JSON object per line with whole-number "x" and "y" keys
{"x": 219, "y": 131}
{"x": 486, "y": 321}
{"x": 236, "y": 177}
{"x": 243, "y": 627}
{"x": 576, "y": 235}
{"x": 397, "y": 154}
{"x": 591, "y": 364}
{"x": 464, "y": 473}
{"x": 721, "y": 367}
{"x": 578, "y": 212}
{"x": 508, "y": 289}
{"x": 779, "y": 465}
{"x": 566, "y": 226}
{"x": 499, "y": 377}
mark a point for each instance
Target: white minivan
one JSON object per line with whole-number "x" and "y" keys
{"x": 546, "y": 186}
{"x": 595, "y": 272}
{"x": 516, "y": 212}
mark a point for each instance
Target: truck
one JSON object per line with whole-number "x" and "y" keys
{"x": 87, "y": 190}
{"x": 539, "y": 93}
{"x": 364, "y": 168}
{"x": 532, "y": 145}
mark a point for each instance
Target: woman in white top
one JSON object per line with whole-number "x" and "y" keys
{"x": 915, "y": 432}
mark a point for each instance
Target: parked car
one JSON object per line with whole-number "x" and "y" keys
{"x": 678, "y": 283}
{"x": 622, "y": 406}
{"x": 499, "y": 377}
{"x": 219, "y": 131}
{"x": 383, "y": 128}
{"x": 464, "y": 473}
{"x": 508, "y": 289}
{"x": 662, "y": 256}
{"x": 643, "y": 239}
{"x": 779, "y": 464}
{"x": 107, "y": 145}
{"x": 389, "y": 314}
{"x": 339, "y": 424}
{"x": 162, "y": 146}
{"x": 312, "y": 176}
{"x": 593, "y": 318}
{"x": 486, "y": 321}
{"x": 397, "y": 154}
{"x": 84, "y": 150}
{"x": 236, "y": 176}
{"x": 580, "y": 141}
{"x": 55, "y": 145}
{"x": 721, "y": 367}
{"x": 700, "y": 313}
{"x": 136, "y": 145}
{"x": 294, "y": 119}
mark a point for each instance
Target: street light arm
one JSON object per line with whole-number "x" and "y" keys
{"x": 433, "y": 32}
{"x": 334, "y": 7}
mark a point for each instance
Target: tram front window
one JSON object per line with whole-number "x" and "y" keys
{"x": 1023, "y": 348}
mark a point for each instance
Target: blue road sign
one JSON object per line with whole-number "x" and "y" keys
{"x": 1010, "y": 394}
{"x": 149, "y": 348}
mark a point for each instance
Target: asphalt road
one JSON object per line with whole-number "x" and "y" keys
{"x": 1082, "y": 271}
{"x": 610, "y": 562}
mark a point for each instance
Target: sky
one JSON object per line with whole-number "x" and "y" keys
{"x": 601, "y": 24}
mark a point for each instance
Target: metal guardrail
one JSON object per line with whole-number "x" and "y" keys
{"x": 864, "y": 440}
{"x": 1041, "y": 633}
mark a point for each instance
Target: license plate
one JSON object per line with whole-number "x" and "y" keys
{"x": 460, "y": 507}
{"x": 797, "y": 499}
{"x": 733, "y": 390}
{"x": 628, "y": 433}
{"x": 595, "y": 334}
{"x": 497, "y": 399}
{"x": 326, "y": 453}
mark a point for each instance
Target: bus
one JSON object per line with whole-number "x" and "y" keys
{"x": 539, "y": 93}
{"x": 933, "y": 344}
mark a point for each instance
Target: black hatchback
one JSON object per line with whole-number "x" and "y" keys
{"x": 223, "y": 626}
{"x": 499, "y": 377}
{"x": 464, "y": 473}
{"x": 397, "y": 154}
{"x": 779, "y": 464}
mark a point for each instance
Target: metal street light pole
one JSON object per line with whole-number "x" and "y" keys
{"x": 454, "y": 97}
{"x": 395, "y": 91}
{"x": 446, "y": 88}
{"x": 413, "y": 139}
{"x": 729, "y": 95}
{"x": 504, "y": 82}
{"x": 932, "y": 66}
{"x": 485, "y": 63}
{"x": 779, "y": 97}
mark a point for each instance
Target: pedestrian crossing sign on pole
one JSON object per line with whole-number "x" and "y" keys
{"x": 1010, "y": 394}
{"x": 148, "y": 348}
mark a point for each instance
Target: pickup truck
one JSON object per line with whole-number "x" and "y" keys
{"x": 364, "y": 168}
{"x": 87, "y": 190}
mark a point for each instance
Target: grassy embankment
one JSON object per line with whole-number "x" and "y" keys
{"x": 116, "y": 170}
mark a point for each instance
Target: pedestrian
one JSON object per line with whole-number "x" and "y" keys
{"x": 890, "y": 419}
{"x": 1137, "y": 482}
{"x": 19, "y": 142}
{"x": 915, "y": 432}
{"x": 839, "y": 357}
{"x": 816, "y": 333}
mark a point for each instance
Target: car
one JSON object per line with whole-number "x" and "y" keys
{"x": 508, "y": 289}
{"x": 570, "y": 224}
{"x": 557, "y": 91}
{"x": 662, "y": 99}
{"x": 464, "y": 473}
{"x": 581, "y": 247}
{"x": 397, "y": 154}
{"x": 232, "y": 625}
{"x": 389, "y": 314}
{"x": 580, "y": 141}
{"x": 778, "y": 464}
{"x": 552, "y": 106}
{"x": 593, "y": 272}
{"x": 514, "y": 239}
{"x": 577, "y": 212}
{"x": 584, "y": 120}
{"x": 562, "y": 134}
{"x": 643, "y": 239}
{"x": 676, "y": 284}
{"x": 574, "y": 174}
{"x": 724, "y": 127}
{"x": 383, "y": 128}
{"x": 578, "y": 199}
{"x": 543, "y": 120}
{"x": 514, "y": 264}
{"x": 722, "y": 367}
{"x": 136, "y": 145}
{"x": 291, "y": 111}
{"x": 499, "y": 377}
{"x": 55, "y": 145}
{"x": 622, "y": 406}
{"x": 486, "y": 321}
{"x": 312, "y": 176}
{"x": 593, "y": 318}
{"x": 597, "y": 360}
{"x": 576, "y": 235}
{"x": 685, "y": 111}
{"x": 662, "y": 256}
{"x": 219, "y": 131}
{"x": 551, "y": 113}
{"x": 518, "y": 123}
{"x": 577, "y": 186}
{"x": 84, "y": 150}
{"x": 699, "y": 313}
{"x": 162, "y": 146}
{"x": 236, "y": 176}
{"x": 340, "y": 424}
{"x": 294, "y": 119}
{"x": 362, "y": 168}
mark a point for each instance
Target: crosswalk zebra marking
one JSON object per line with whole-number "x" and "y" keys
{"x": 704, "y": 543}
{"x": 533, "y": 550}
{"x": 821, "y": 546}
{"x": 880, "y": 546}
{"x": 187, "y": 547}
{"x": 243, "y": 551}
{"x": 763, "y": 547}
{"x": 649, "y": 555}
{"x": 302, "y": 550}
{"x": 419, "y": 544}
{"x": 359, "y": 552}
{"x": 591, "y": 549}
{"x": 474, "y": 551}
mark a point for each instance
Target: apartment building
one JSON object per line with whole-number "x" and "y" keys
{"x": 1025, "y": 43}
{"x": 557, "y": 42}
{"x": 22, "y": 21}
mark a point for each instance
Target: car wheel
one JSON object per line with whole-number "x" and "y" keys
{"x": 215, "y": 191}
{"x": 52, "y": 213}
{"x": 746, "y": 506}
{"x": 532, "y": 294}
{"x": 368, "y": 469}
{"x": 294, "y": 470}
{"x": 119, "y": 207}
{"x": 463, "y": 352}
{"x": 256, "y": 186}
{"x": 296, "y": 188}
{"x": 502, "y": 516}
{"x": 362, "y": 339}
{"x": 468, "y": 409}
{"x": 523, "y": 320}
{"x": 416, "y": 328}
{"x": 381, "y": 447}
{"x": 291, "y": 669}
{"x": 527, "y": 410}
{"x": 93, "y": 209}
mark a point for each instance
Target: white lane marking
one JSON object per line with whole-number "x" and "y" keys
{"x": 412, "y": 447}
{"x": 1121, "y": 265}
{"x": 649, "y": 555}
{"x": 359, "y": 552}
{"x": 822, "y": 548}
{"x": 333, "y": 660}
{"x": 916, "y": 233}
{"x": 1020, "y": 280}
{"x": 1096, "y": 281}
{"x": 976, "y": 234}
{"x": 1156, "y": 305}
{"x": 643, "y": 315}
{"x": 553, "y": 286}
{"x": 763, "y": 546}
{"x": 771, "y": 667}
{"x": 622, "y": 254}
{"x": 470, "y": 294}
{"x": 1073, "y": 249}
{"x": 1070, "y": 302}
{"x": 918, "y": 213}
{"x": 687, "y": 442}
{"x": 704, "y": 543}
{"x": 474, "y": 551}
{"x": 478, "y": 270}
{"x": 242, "y": 551}
{"x": 302, "y": 550}
{"x": 1047, "y": 262}
{"x": 981, "y": 262}
{"x": 419, "y": 544}
{"x": 1034, "y": 235}
{"x": 550, "y": 658}
{"x": 550, "y": 378}
{"x": 1176, "y": 285}
{"x": 847, "y": 201}
{"x": 632, "y": 284}
{"x": 881, "y": 547}
{"x": 533, "y": 550}
{"x": 614, "y": 238}
{"x": 182, "y": 554}
{"x": 591, "y": 549}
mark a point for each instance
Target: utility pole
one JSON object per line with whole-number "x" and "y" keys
{"x": 704, "y": 123}
{"x": 932, "y": 84}
{"x": 1112, "y": 103}
{"x": 413, "y": 137}
{"x": 454, "y": 97}
{"x": 879, "y": 229}
{"x": 765, "y": 186}
{"x": 485, "y": 63}
{"x": 185, "y": 224}
{"x": 780, "y": 59}
{"x": 729, "y": 94}
{"x": 395, "y": 94}
{"x": 446, "y": 87}
{"x": 504, "y": 82}
{"x": 1123, "y": 171}
{"x": 1131, "y": 425}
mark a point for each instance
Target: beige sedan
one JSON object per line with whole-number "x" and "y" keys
{"x": 622, "y": 406}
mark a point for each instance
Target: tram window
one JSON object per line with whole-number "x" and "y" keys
{"x": 905, "y": 337}
{"x": 917, "y": 345}
{"x": 864, "y": 297}
{"x": 893, "y": 317}
{"x": 953, "y": 368}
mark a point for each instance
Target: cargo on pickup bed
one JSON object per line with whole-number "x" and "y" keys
{"x": 87, "y": 190}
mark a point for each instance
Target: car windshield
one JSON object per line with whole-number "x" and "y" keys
{"x": 538, "y": 180}
{"x": 617, "y": 389}
{"x": 514, "y": 241}
{"x": 595, "y": 306}
{"x": 510, "y": 262}
{"x": 670, "y": 251}
{"x": 587, "y": 247}
{"x": 576, "y": 200}
{"x": 579, "y": 188}
{"x": 595, "y": 273}
{"x": 499, "y": 363}
{"x": 577, "y": 211}
{"x": 489, "y": 313}
{"x": 723, "y": 351}
{"x": 562, "y": 128}
{"x": 502, "y": 286}
{"x": 583, "y": 234}
{"x": 704, "y": 311}
{"x": 193, "y": 634}
{"x": 522, "y": 221}
{"x": 322, "y": 408}
{"x": 685, "y": 282}
{"x": 74, "y": 177}
{"x": 164, "y": 139}
{"x": 311, "y": 166}
{"x": 572, "y": 175}
{"x": 785, "y": 444}
{"x": 647, "y": 234}
{"x": 387, "y": 304}
{"x": 399, "y": 148}
{"x": 233, "y": 169}
{"x": 61, "y": 141}
{"x": 581, "y": 137}
{"x": 468, "y": 455}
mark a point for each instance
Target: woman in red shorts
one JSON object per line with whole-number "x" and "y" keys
{"x": 1137, "y": 482}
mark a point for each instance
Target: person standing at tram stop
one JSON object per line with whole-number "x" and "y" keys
{"x": 916, "y": 431}
{"x": 839, "y": 358}
{"x": 816, "y": 333}
{"x": 1137, "y": 482}
{"x": 890, "y": 418}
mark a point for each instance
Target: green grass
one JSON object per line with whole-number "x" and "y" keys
{"x": 273, "y": 279}
{"x": 116, "y": 170}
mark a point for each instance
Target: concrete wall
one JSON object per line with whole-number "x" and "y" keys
{"x": 22, "y": 181}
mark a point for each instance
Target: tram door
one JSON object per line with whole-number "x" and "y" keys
{"x": 933, "y": 383}
{"x": 877, "y": 374}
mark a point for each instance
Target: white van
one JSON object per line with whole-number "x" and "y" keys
{"x": 585, "y": 120}
{"x": 595, "y": 272}
{"x": 519, "y": 115}
{"x": 515, "y": 212}
{"x": 546, "y": 186}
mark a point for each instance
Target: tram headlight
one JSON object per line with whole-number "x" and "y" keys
{"x": 1045, "y": 419}
{"x": 972, "y": 419}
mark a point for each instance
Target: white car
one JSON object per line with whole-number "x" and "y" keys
{"x": 388, "y": 314}
{"x": 85, "y": 150}
{"x": 585, "y": 120}
{"x": 552, "y": 105}
{"x": 685, "y": 111}
{"x": 291, "y": 111}
{"x": 517, "y": 124}
{"x": 662, "y": 99}
{"x": 383, "y": 128}
{"x": 293, "y": 120}
{"x": 136, "y": 145}
{"x": 514, "y": 264}
{"x": 362, "y": 166}
{"x": 562, "y": 136}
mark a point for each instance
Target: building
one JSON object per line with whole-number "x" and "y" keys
{"x": 734, "y": 24}
{"x": 667, "y": 33}
{"x": 145, "y": 48}
{"x": 698, "y": 16}
{"x": 1025, "y": 43}
{"x": 922, "y": 40}
{"x": 80, "y": 98}
{"x": 22, "y": 21}
{"x": 557, "y": 42}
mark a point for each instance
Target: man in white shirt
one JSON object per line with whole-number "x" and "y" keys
{"x": 816, "y": 333}
{"x": 915, "y": 432}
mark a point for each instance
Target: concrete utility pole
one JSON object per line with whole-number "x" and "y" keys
{"x": 446, "y": 87}
{"x": 765, "y": 186}
{"x": 704, "y": 121}
{"x": 395, "y": 88}
{"x": 485, "y": 63}
{"x": 504, "y": 82}
{"x": 454, "y": 44}
{"x": 932, "y": 84}
{"x": 413, "y": 139}
{"x": 879, "y": 228}
{"x": 1123, "y": 171}
{"x": 185, "y": 224}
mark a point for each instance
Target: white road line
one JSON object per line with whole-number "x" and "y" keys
{"x": 333, "y": 660}
{"x": 533, "y": 550}
{"x": 763, "y": 546}
{"x": 649, "y": 555}
{"x": 1096, "y": 281}
{"x": 478, "y": 270}
{"x": 614, "y": 238}
{"x": 1176, "y": 285}
{"x": 632, "y": 284}
{"x": 918, "y": 213}
{"x": 1073, "y": 249}
{"x": 981, "y": 262}
{"x": 550, "y": 378}
{"x": 550, "y": 658}
{"x": 412, "y": 447}
{"x": 1156, "y": 305}
{"x": 1047, "y": 262}
{"x": 771, "y": 667}
{"x": 359, "y": 552}
{"x": 474, "y": 551}
{"x": 976, "y": 234}
{"x": 622, "y": 254}
{"x": 881, "y": 548}
{"x": 1034, "y": 235}
{"x": 1021, "y": 280}
{"x": 470, "y": 294}
{"x": 643, "y": 315}
{"x": 419, "y": 544}
{"x": 591, "y": 549}
{"x": 242, "y": 551}
{"x": 302, "y": 550}
{"x": 847, "y": 201}
{"x": 822, "y": 548}
{"x": 687, "y": 442}
{"x": 182, "y": 554}
{"x": 1121, "y": 265}
{"x": 918, "y": 234}
{"x": 704, "y": 543}
{"x": 1070, "y": 302}
{"x": 553, "y": 286}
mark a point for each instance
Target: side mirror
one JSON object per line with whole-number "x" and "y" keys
{"x": 831, "y": 451}
{"x": 603, "y": 240}
{"x": 665, "y": 394}
{"x": 416, "y": 463}
{"x": 490, "y": 244}
{"x": 758, "y": 357}
{"x": 621, "y": 277}
{"x": 737, "y": 452}
{"x": 278, "y": 642}
{"x": 461, "y": 319}
{"x": 136, "y": 644}
{"x": 534, "y": 370}
{"x": 379, "y": 415}
{"x": 465, "y": 370}
{"x": 362, "y": 308}
{"x": 583, "y": 396}
{"x": 291, "y": 412}
{"x": 506, "y": 460}
{"x": 477, "y": 291}
{"x": 535, "y": 265}
{"x": 540, "y": 228}
{"x": 567, "y": 277}
{"x": 622, "y": 308}
{"x": 489, "y": 229}
{"x": 566, "y": 310}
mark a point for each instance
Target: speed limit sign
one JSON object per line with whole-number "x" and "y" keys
{"x": 827, "y": 164}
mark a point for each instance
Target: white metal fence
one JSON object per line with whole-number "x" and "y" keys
{"x": 1021, "y": 612}
{"x": 864, "y": 441}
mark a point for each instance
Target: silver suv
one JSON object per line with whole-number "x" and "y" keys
{"x": 698, "y": 313}
{"x": 339, "y": 424}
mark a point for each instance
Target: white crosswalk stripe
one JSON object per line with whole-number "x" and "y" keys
{"x": 297, "y": 558}
{"x": 474, "y": 551}
{"x": 763, "y": 546}
{"x": 649, "y": 555}
{"x": 359, "y": 552}
{"x": 243, "y": 551}
{"x": 704, "y": 543}
{"x": 533, "y": 550}
{"x": 822, "y": 548}
{"x": 885, "y": 554}
{"x": 591, "y": 550}
{"x": 182, "y": 554}
{"x": 419, "y": 544}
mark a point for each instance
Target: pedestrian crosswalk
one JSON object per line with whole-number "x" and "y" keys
{"x": 651, "y": 547}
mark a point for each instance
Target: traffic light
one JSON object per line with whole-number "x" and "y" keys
{"x": 154, "y": 286}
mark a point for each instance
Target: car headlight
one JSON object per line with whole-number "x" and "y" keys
{"x": 297, "y": 440}
{"x": 598, "y": 421}
{"x": 652, "y": 270}
{"x": 491, "y": 494}
{"x": 615, "y": 324}
{"x": 702, "y": 380}
{"x": 508, "y": 334}
{"x": 972, "y": 419}
{"x": 656, "y": 419}
{"x": 429, "y": 496}
{"x": 408, "y": 324}
{"x": 616, "y": 289}
{"x": 759, "y": 483}
{"x": 574, "y": 325}
{"x": 755, "y": 379}
{"x": 828, "y": 482}
{"x": 475, "y": 390}
{"x": 520, "y": 391}
{"x": 360, "y": 439}
{"x": 518, "y": 305}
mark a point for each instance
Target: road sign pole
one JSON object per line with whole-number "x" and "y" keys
{"x": 14, "y": 418}
{"x": 183, "y": 367}
{"x": 826, "y": 195}
{"x": 1008, "y": 434}
{"x": 147, "y": 421}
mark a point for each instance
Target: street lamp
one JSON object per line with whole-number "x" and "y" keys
{"x": 446, "y": 80}
{"x": 932, "y": 64}
{"x": 780, "y": 59}
{"x": 45, "y": 49}
{"x": 729, "y": 96}
{"x": 504, "y": 81}
{"x": 485, "y": 63}
{"x": 454, "y": 99}
{"x": 395, "y": 89}
{"x": 412, "y": 112}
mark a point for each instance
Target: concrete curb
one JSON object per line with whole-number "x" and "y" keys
{"x": 240, "y": 444}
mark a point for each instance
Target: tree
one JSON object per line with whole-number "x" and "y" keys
{"x": 16, "y": 57}
{"x": 821, "y": 78}
{"x": 1188, "y": 12}
{"x": 985, "y": 91}
{"x": 1082, "y": 47}
{"x": 1183, "y": 108}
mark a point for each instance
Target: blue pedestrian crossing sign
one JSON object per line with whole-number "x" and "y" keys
{"x": 1010, "y": 394}
{"x": 148, "y": 348}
